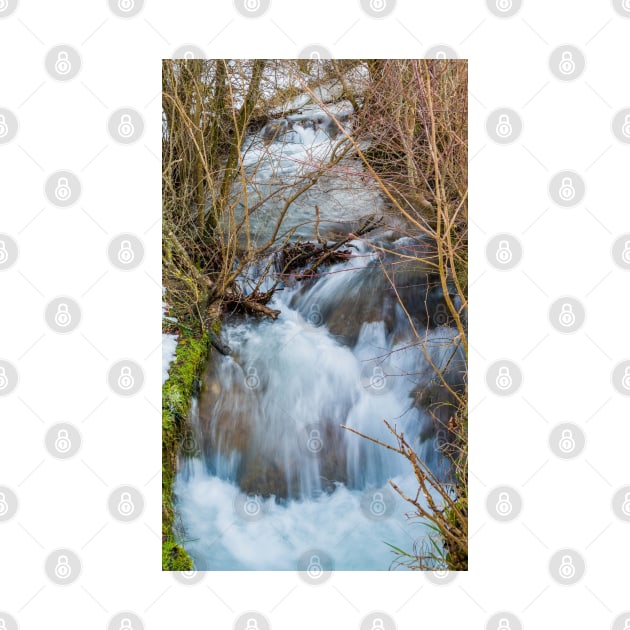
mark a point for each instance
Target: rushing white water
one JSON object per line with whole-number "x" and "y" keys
{"x": 269, "y": 474}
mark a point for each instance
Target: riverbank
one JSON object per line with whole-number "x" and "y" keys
{"x": 177, "y": 392}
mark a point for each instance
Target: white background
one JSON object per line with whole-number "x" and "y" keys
{"x": 63, "y": 252}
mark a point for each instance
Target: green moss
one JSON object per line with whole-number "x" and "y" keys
{"x": 177, "y": 392}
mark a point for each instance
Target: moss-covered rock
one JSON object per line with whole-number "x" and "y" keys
{"x": 177, "y": 392}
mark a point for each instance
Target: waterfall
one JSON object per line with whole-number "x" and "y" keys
{"x": 357, "y": 345}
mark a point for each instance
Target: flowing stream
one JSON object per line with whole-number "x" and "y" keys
{"x": 267, "y": 475}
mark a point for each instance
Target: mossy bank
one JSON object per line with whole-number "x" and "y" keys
{"x": 190, "y": 357}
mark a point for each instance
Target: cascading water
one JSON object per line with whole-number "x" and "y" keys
{"x": 269, "y": 474}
